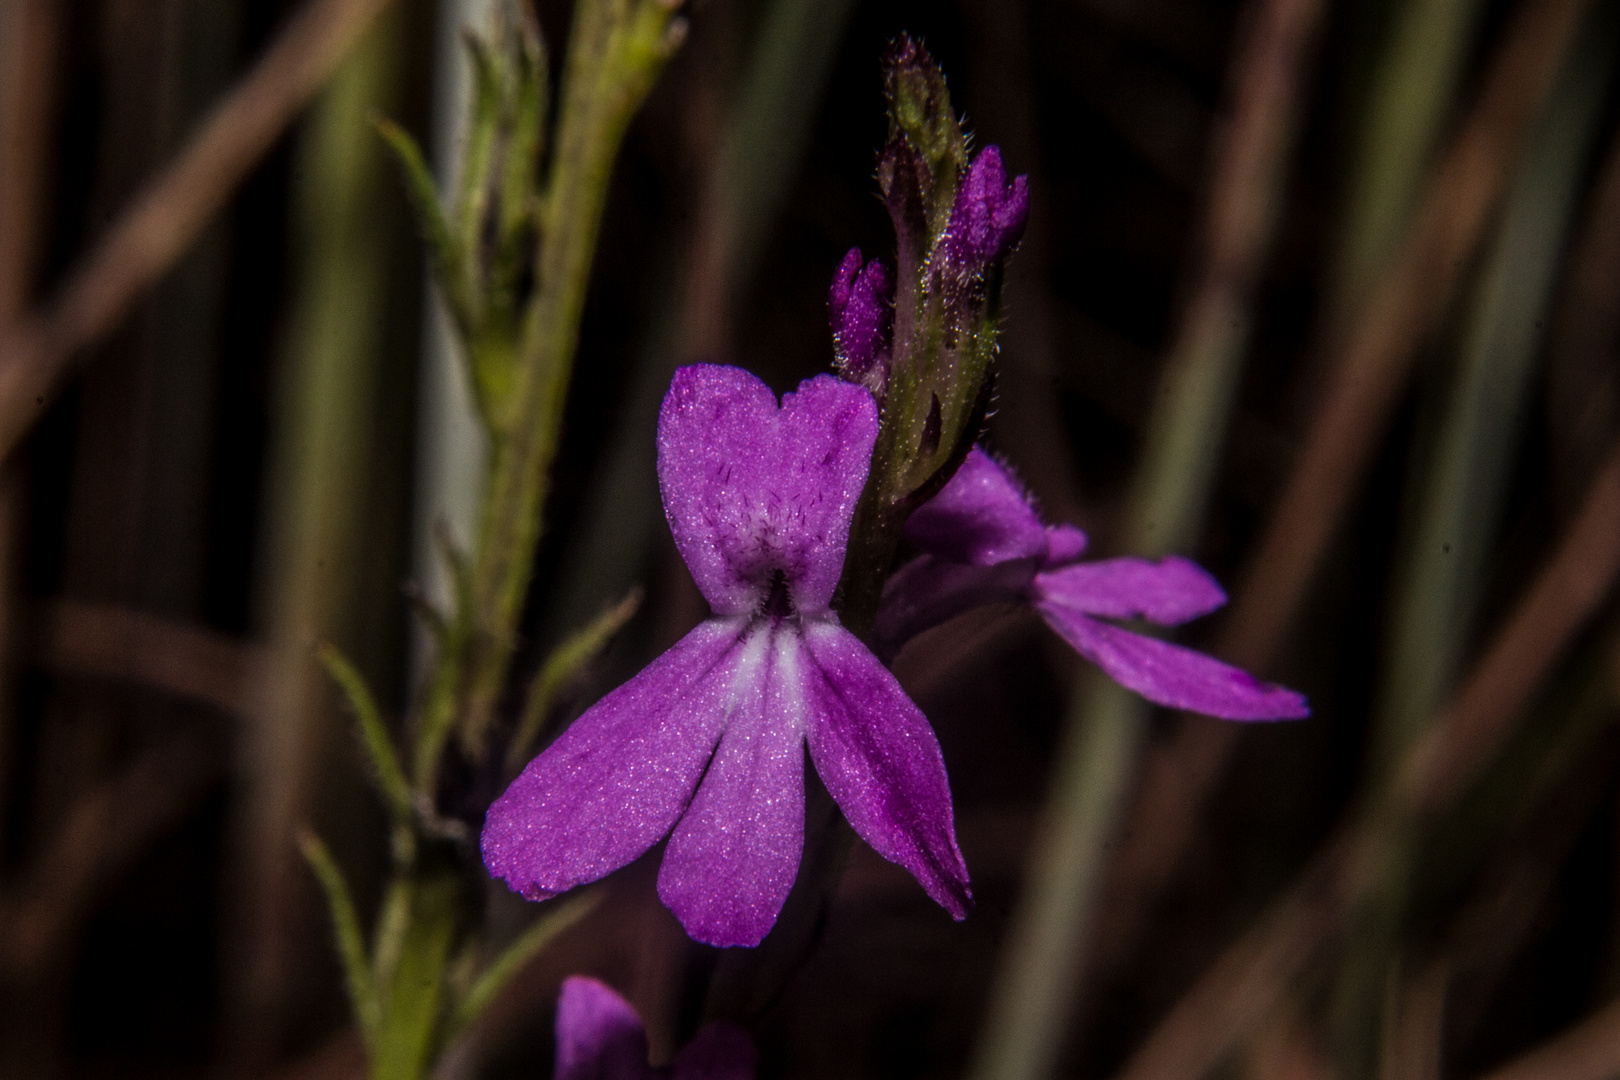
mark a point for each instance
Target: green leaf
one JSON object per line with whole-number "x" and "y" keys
{"x": 560, "y": 668}
{"x": 351, "y": 941}
{"x": 374, "y": 735}
{"x": 529, "y": 944}
{"x": 445, "y": 253}
{"x": 393, "y": 922}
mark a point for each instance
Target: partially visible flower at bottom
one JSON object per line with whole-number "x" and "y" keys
{"x": 600, "y": 1037}
{"x": 707, "y": 744}
{"x": 983, "y": 543}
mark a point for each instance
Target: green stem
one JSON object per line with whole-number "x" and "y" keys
{"x": 613, "y": 59}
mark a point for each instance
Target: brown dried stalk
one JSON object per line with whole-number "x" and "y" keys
{"x": 161, "y": 223}
{"x": 133, "y": 646}
{"x": 1370, "y": 359}
{"x": 1588, "y": 1051}
{"x": 1253, "y": 974}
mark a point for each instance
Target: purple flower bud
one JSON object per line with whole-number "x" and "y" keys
{"x": 861, "y": 303}
{"x": 989, "y": 216}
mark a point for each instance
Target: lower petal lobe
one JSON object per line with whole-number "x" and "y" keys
{"x": 734, "y": 855}
{"x": 1171, "y": 675}
{"x": 616, "y": 781}
{"x": 879, "y": 759}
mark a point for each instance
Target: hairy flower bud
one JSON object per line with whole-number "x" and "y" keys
{"x": 988, "y": 218}
{"x": 861, "y": 306}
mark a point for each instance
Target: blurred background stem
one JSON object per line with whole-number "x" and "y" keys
{"x": 1049, "y": 937}
{"x": 327, "y": 572}
{"x": 1460, "y": 475}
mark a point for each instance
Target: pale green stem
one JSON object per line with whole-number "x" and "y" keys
{"x": 768, "y": 131}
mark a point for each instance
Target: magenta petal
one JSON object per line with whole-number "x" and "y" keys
{"x": 1064, "y": 544}
{"x": 1169, "y": 591}
{"x": 733, "y": 857}
{"x": 1171, "y": 675}
{"x": 827, "y": 431}
{"x": 750, "y": 489}
{"x": 980, "y": 517}
{"x": 616, "y": 781}
{"x": 719, "y": 1051}
{"x": 879, "y": 759}
{"x": 599, "y": 1036}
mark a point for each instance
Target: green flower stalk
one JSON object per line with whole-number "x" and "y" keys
{"x": 511, "y": 251}
{"x": 955, "y": 223}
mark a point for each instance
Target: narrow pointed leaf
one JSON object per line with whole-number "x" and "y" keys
{"x": 423, "y": 193}
{"x": 560, "y": 669}
{"x": 351, "y": 941}
{"x": 528, "y": 945}
{"x": 388, "y": 773}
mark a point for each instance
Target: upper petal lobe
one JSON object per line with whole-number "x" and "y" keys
{"x": 750, "y": 489}
{"x": 733, "y": 857}
{"x": 878, "y": 757}
{"x": 1171, "y": 675}
{"x": 616, "y": 781}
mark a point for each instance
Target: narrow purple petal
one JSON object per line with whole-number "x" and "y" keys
{"x": 750, "y": 489}
{"x": 1064, "y": 544}
{"x": 980, "y": 517}
{"x": 1171, "y": 675}
{"x": 733, "y": 857}
{"x": 599, "y": 1036}
{"x": 719, "y": 1051}
{"x": 616, "y": 781}
{"x": 879, "y": 759}
{"x": 1169, "y": 591}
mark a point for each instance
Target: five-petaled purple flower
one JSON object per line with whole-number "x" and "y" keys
{"x": 707, "y": 743}
{"x": 600, "y": 1037}
{"x": 984, "y": 543}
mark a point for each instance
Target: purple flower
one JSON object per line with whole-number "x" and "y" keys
{"x": 984, "y": 543}
{"x": 706, "y": 744}
{"x": 600, "y": 1037}
{"x": 988, "y": 217}
{"x": 861, "y": 303}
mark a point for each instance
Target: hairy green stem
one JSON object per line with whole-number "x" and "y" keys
{"x": 616, "y": 52}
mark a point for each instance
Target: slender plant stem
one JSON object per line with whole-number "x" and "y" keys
{"x": 1461, "y": 483}
{"x": 1241, "y": 987}
{"x": 613, "y": 58}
